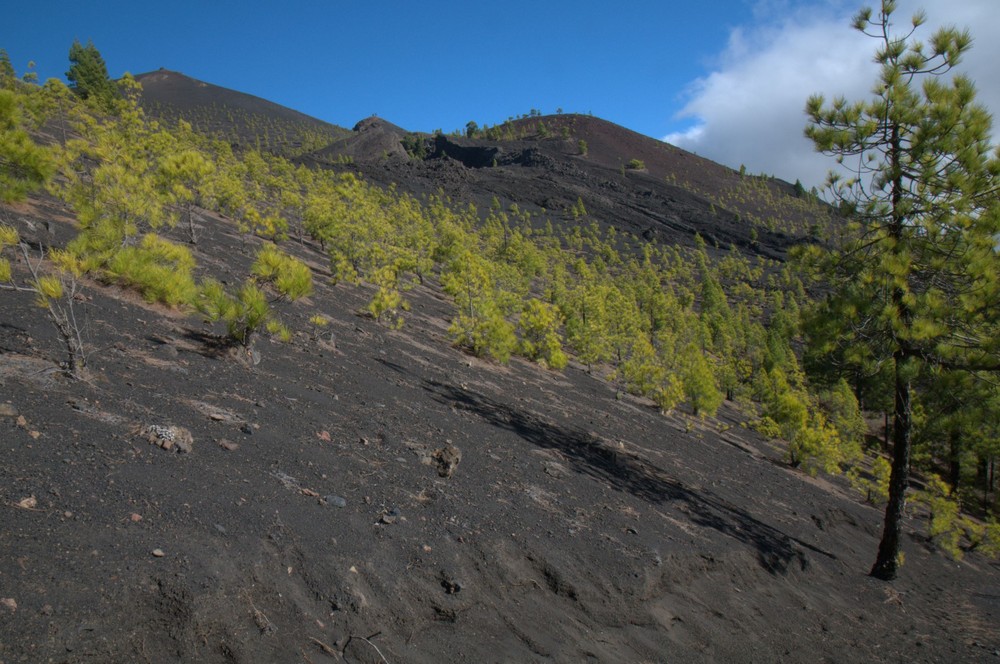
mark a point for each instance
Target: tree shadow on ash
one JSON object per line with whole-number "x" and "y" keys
{"x": 776, "y": 551}
{"x": 212, "y": 346}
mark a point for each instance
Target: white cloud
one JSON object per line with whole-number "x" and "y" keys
{"x": 749, "y": 109}
{"x": 687, "y": 137}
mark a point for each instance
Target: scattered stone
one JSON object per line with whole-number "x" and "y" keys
{"x": 9, "y": 603}
{"x": 169, "y": 437}
{"x": 286, "y": 480}
{"x": 168, "y": 350}
{"x": 28, "y": 503}
{"x": 221, "y": 529}
{"x": 391, "y": 516}
{"x": 228, "y": 445}
{"x": 8, "y": 410}
{"x": 324, "y": 436}
{"x": 555, "y": 469}
{"x": 217, "y": 417}
{"x": 158, "y": 553}
{"x": 247, "y": 429}
{"x": 335, "y": 500}
{"x": 135, "y": 517}
{"x": 22, "y": 422}
{"x": 447, "y": 458}
{"x": 309, "y": 492}
{"x": 451, "y": 585}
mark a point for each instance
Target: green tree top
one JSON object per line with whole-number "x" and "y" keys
{"x": 88, "y": 74}
{"x": 7, "y": 74}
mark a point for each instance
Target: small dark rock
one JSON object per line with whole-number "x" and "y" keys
{"x": 335, "y": 500}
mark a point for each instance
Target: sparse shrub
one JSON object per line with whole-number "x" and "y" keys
{"x": 486, "y": 335}
{"x": 817, "y": 446}
{"x": 636, "y": 165}
{"x": 766, "y": 427}
{"x": 876, "y": 489}
{"x": 278, "y": 330}
{"x": 946, "y": 524}
{"x": 56, "y": 292}
{"x": 8, "y": 238}
{"x": 318, "y": 322}
{"x": 245, "y": 313}
{"x": 989, "y": 543}
{"x": 248, "y": 311}
{"x": 954, "y": 532}
{"x": 582, "y": 146}
{"x": 159, "y": 269}
{"x": 290, "y": 277}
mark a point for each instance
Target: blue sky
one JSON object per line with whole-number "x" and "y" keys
{"x": 726, "y": 78}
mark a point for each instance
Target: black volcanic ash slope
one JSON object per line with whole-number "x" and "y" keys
{"x": 676, "y": 196}
{"x": 234, "y": 116}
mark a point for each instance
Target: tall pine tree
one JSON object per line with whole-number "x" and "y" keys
{"x": 88, "y": 75}
{"x": 918, "y": 282}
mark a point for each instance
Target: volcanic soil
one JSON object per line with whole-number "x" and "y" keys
{"x": 319, "y": 514}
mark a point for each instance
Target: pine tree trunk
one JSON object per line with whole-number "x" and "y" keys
{"x": 954, "y": 460}
{"x": 885, "y": 432}
{"x": 887, "y": 562}
{"x": 192, "y": 233}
